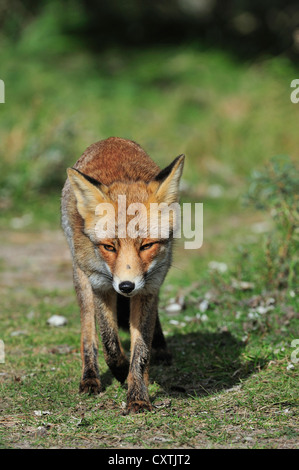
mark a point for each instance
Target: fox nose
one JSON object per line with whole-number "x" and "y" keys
{"x": 126, "y": 287}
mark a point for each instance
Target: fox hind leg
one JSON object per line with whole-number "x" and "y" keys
{"x": 160, "y": 352}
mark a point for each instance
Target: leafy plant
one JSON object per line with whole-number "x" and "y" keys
{"x": 276, "y": 190}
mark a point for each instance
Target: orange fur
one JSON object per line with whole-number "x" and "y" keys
{"x": 103, "y": 265}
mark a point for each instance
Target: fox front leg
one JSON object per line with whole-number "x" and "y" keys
{"x": 90, "y": 380}
{"x": 142, "y": 324}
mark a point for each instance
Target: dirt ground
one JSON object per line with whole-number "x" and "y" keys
{"x": 35, "y": 259}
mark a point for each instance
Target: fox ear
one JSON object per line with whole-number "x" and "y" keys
{"x": 88, "y": 192}
{"x": 169, "y": 180}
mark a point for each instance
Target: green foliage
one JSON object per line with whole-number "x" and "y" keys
{"x": 276, "y": 191}
{"x": 170, "y": 100}
{"x": 277, "y": 187}
{"x": 231, "y": 374}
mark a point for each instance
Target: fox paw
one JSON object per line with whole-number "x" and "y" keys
{"x": 92, "y": 386}
{"x": 138, "y": 407}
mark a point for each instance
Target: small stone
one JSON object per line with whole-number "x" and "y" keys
{"x": 57, "y": 320}
{"x": 174, "y": 307}
{"x": 203, "y": 306}
{"x": 218, "y": 266}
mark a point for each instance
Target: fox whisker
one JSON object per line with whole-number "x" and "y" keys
{"x": 105, "y": 275}
{"x": 150, "y": 274}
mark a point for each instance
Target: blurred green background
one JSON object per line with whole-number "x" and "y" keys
{"x": 207, "y": 78}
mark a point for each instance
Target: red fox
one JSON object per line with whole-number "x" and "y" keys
{"x": 117, "y": 280}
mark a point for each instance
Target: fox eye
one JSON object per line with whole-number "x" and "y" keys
{"x": 147, "y": 246}
{"x": 109, "y": 248}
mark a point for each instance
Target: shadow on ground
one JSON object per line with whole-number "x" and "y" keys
{"x": 203, "y": 363}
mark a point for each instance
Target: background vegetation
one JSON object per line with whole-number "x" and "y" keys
{"x": 192, "y": 77}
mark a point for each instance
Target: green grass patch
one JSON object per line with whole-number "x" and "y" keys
{"x": 230, "y": 383}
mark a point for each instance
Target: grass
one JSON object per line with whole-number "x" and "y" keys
{"x": 225, "y": 116}
{"x": 232, "y": 382}
{"x": 221, "y": 391}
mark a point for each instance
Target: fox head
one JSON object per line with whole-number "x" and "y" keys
{"x": 131, "y": 247}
